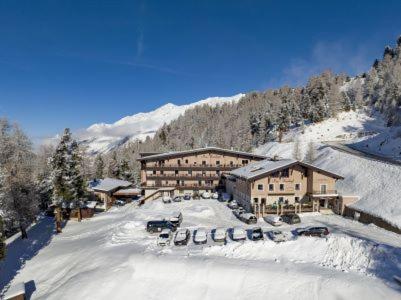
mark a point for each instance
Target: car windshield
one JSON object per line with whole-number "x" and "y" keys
{"x": 164, "y": 235}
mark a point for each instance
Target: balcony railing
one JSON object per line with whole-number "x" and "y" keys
{"x": 324, "y": 192}
{"x": 182, "y": 177}
{"x": 180, "y": 186}
{"x": 224, "y": 167}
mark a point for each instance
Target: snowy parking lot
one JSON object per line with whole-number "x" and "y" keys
{"x": 111, "y": 256}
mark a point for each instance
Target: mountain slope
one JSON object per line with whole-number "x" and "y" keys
{"x": 102, "y": 137}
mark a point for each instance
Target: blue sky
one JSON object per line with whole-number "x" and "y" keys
{"x": 74, "y": 63}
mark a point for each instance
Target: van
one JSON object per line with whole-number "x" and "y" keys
{"x": 176, "y": 218}
{"x": 158, "y": 226}
{"x": 273, "y": 220}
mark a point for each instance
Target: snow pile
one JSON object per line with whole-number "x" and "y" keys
{"x": 340, "y": 252}
{"x": 103, "y": 137}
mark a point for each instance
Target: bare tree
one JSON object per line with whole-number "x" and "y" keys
{"x": 296, "y": 152}
{"x": 310, "y": 155}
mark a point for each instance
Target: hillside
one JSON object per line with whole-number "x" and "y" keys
{"x": 377, "y": 183}
{"x": 102, "y": 137}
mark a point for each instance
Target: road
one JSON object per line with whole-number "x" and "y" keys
{"x": 348, "y": 149}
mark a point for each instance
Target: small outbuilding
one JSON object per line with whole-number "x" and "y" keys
{"x": 105, "y": 189}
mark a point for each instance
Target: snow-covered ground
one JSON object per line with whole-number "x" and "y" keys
{"x": 103, "y": 137}
{"x": 111, "y": 256}
{"x": 378, "y": 184}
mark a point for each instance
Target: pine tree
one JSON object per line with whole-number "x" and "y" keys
{"x": 76, "y": 182}
{"x": 113, "y": 168}
{"x": 99, "y": 166}
{"x": 126, "y": 173}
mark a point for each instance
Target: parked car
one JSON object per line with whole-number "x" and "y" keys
{"x": 238, "y": 212}
{"x": 256, "y": 234}
{"x": 177, "y": 199}
{"x": 200, "y": 236}
{"x": 182, "y": 237}
{"x": 313, "y": 231}
{"x": 273, "y": 220}
{"x": 159, "y": 225}
{"x": 215, "y": 195}
{"x": 238, "y": 234}
{"x": 225, "y": 197}
{"x": 232, "y": 204}
{"x": 206, "y": 195}
{"x": 187, "y": 197}
{"x": 176, "y": 218}
{"x": 220, "y": 235}
{"x": 277, "y": 236}
{"x": 291, "y": 218}
{"x": 166, "y": 199}
{"x": 248, "y": 218}
{"x": 164, "y": 237}
{"x": 196, "y": 196}
{"x": 119, "y": 202}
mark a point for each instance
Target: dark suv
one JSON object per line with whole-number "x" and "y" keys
{"x": 291, "y": 218}
{"x": 158, "y": 226}
{"x": 314, "y": 231}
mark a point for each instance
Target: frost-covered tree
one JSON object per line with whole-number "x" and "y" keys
{"x": 113, "y": 167}
{"x": 18, "y": 195}
{"x": 310, "y": 155}
{"x": 296, "y": 152}
{"x": 99, "y": 166}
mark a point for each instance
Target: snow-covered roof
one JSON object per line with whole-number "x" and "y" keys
{"x": 188, "y": 152}
{"x": 109, "y": 184}
{"x": 268, "y": 166}
{"x": 15, "y": 290}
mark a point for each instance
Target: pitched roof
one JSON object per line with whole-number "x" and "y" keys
{"x": 268, "y": 166}
{"x": 109, "y": 184}
{"x": 193, "y": 151}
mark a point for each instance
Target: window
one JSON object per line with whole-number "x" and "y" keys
{"x": 154, "y": 172}
{"x": 200, "y": 182}
{"x": 255, "y": 200}
{"x": 271, "y": 187}
{"x": 218, "y": 172}
{"x": 178, "y": 182}
{"x": 217, "y": 162}
{"x": 260, "y": 187}
{"x": 280, "y": 200}
{"x": 161, "y": 172}
{"x": 203, "y": 173}
{"x": 323, "y": 189}
{"x": 203, "y": 162}
{"x": 281, "y": 186}
{"x": 285, "y": 173}
{"x": 263, "y": 201}
{"x": 244, "y": 161}
{"x": 297, "y": 186}
{"x": 189, "y": 172}
{"x": 176, "y": 172}
{"x": 296, "y": 199}
{"x": 186, "y": 161}
{"x": 231, "y": 163}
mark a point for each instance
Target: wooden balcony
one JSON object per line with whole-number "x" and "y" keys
{"x": 190, "y": 186}
{"x": 186, "y": 167}
{"x": 194, "y": 177}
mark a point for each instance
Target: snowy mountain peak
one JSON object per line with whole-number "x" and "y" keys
{"x": 103, "y": 137}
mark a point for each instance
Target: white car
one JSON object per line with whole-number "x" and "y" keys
{"x": 220, "y": 235}
{"x": 200, "y": 236}
{"x": 239, "y": 234}
{"x": 164, "y": 237}
{"x": 206, "y": 195}
{"x": 215, "y": 196}
{"x": 166, "y": 199}
{"x": 277, "y": 236}
{"x": 273, "y": 220}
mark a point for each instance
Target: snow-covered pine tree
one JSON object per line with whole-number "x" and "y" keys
{"x": 99, "y": 166}
{"x": 113, "y": 168}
